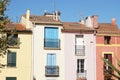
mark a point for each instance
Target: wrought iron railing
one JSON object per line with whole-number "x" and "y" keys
{"x": 51, "y": 43}
{"x": 81, "y": 74}
{"x": 107, "y": 70}
{"x": 80, "y": 50}
{"x": 51, "y": 71}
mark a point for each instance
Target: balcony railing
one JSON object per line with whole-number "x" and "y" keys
{"x": 80, "y": 50}
{"x": 14, "y": 42}
{"x": 51, "y": 71}
{"x": 81, "y": 74}
{"x": 107, "y": 69}
{"x": 52, "y": 43}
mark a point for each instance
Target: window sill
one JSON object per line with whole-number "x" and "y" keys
{"x": 16, "y": 47}
{"x": 46, "y": 48}
{"x": 11, "y": 67}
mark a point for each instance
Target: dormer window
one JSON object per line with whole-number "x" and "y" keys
{"x": 107, "y": 39}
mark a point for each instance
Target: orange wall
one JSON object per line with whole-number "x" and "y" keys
{"x": 103, "y": 48}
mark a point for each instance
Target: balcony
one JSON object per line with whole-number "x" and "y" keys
{"x": 14, "y": 42}
{"x": 81, "y": 74}
{"x": 51, "y": 71}
{"x": 51, "y": 43}
{"x": 80, "y": 50}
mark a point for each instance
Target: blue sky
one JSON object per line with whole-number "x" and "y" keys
{"x": 71, "y": 10}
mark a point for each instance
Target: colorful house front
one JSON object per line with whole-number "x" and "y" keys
{"x": 108, "y": 47}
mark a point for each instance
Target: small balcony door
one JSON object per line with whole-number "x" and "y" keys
{"x": 81, "y": 72}
{"x": 79, "y": 40}
{"x": 51, "y": 69}
{"x": 79, "y": 45}
{"x": 51, "y": 37}
{"x": 51, "y": 59}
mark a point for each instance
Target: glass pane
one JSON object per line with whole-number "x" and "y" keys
{"x": 11, "y": 78}
{"x": 51, "y": 59}
{"x": 11, "y": 59}
{"x": 51, "y": 33}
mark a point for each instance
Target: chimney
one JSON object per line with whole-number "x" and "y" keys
{"x": 95, "y": 21}
{"x": 113, "y": 21}
{"x": 89, "y": 22}
{"x": 82, "y": 22}
{"x": 57, "y": 15}
{"x": 27, "y": 18}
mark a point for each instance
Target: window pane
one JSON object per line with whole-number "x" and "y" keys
{"x": 11, "y": 78}
{"x": 51, "y": 59}
{"x": 51, "y": 33}
{"x": 11, "y": 59}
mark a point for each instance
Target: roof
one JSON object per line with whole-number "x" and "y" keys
{"x": 107, "y": 28}
{"x": 18, "y": 27}
{"x": 75, "y": 27}
{"x": 43, "y": 19}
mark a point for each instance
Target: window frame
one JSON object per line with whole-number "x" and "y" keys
{"x": 15, "y": 78}
{"x": 52, "y": 41}
{"x": 10, "y": 55}
{"x": 107, "y": 39}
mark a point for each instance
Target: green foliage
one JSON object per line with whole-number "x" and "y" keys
{"x": 116, "y": 70}
{"x": 3, "y": 22}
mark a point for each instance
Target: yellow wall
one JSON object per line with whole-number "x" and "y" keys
{"x": 23, "y": 60}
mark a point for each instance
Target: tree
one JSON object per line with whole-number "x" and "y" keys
{"x": 5, "y": 41}
{"x": 116, "y": 70}
{"x": 3, "y": 22}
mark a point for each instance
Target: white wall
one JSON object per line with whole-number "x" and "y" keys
{"x": 40, "y": 54}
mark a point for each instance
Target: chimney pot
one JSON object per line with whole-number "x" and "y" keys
{"x": 113, "y": 21}
{"x": 95, "y": 21}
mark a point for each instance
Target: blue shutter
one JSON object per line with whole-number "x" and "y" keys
{"x": 51, "y": 33}
{"x": 51, "y": 59}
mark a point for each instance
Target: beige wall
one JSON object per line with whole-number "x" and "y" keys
{"x": 23, "y": 60}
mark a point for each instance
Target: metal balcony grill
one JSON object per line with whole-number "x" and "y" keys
{"x": 51, "y": 71}
{"x": 80, "y": 50}
{"x": 51, "y": 43}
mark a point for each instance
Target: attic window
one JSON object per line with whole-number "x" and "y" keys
{"x": 107, "y": 39}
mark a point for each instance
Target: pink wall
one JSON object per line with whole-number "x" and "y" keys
{"x": 71, "y": 58}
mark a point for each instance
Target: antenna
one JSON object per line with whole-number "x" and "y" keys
{"x": 81, "y": 15}
{"x": 53, "y": 6}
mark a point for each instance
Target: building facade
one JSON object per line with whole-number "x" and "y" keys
{"x": 54, "y": 50}
{"x": 108, "y": 47}
{"x": 48, "y": 48}
{"x": 79, "y": 50}
{"x": 17, "y": 64}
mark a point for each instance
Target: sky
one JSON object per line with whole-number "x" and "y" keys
{"x": 71, "y": 10}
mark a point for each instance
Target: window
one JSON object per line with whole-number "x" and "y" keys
{"x": 51, "y": 70}
{"x": 80, "y": 66}
{"x": 107, "y": 39}
{"x": 51, "y": 59}
{"x": 14, "y": 40}
{"x": 51, "y": 37}
{"x": 11, "y": 59}
{"x": 108, "y": 57}
{"x": 11, "y": 78}
{"x": 79, "y": 45}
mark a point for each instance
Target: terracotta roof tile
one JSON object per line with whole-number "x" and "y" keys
{"x": 16, "y": 26}
{"x": 75, "y": 27}
{"x": 42, "y": 19}
{"x": 107, "y": 28}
